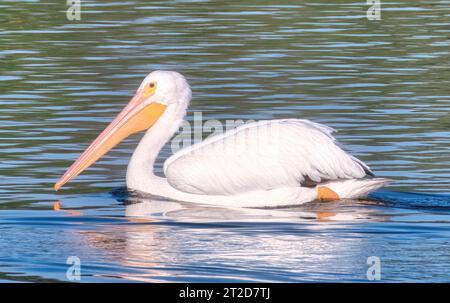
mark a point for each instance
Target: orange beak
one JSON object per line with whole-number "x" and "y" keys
{"x": 135, "y": 117}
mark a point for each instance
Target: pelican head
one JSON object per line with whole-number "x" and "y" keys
{"x": 159, "y": 92}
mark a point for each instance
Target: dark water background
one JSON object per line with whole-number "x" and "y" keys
{"x": 385, "y": 85}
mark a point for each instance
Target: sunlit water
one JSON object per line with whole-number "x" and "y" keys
{"x": 383, "y": 84}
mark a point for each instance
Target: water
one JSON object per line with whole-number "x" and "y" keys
{"x": 383, "y": 84}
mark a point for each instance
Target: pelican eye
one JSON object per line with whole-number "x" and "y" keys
{"x": 152, "y": 84}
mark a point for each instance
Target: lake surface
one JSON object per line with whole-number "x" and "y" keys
{"x": 385, "y": 85}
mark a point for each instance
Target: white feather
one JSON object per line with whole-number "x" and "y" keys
{"x": 262, "y": 156}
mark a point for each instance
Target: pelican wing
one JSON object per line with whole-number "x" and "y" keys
{"x": 262, "y": 156}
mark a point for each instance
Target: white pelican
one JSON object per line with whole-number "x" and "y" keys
{"x": 260, "y": 164}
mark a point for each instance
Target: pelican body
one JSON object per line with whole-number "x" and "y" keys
{"x": 261, "y": 164}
